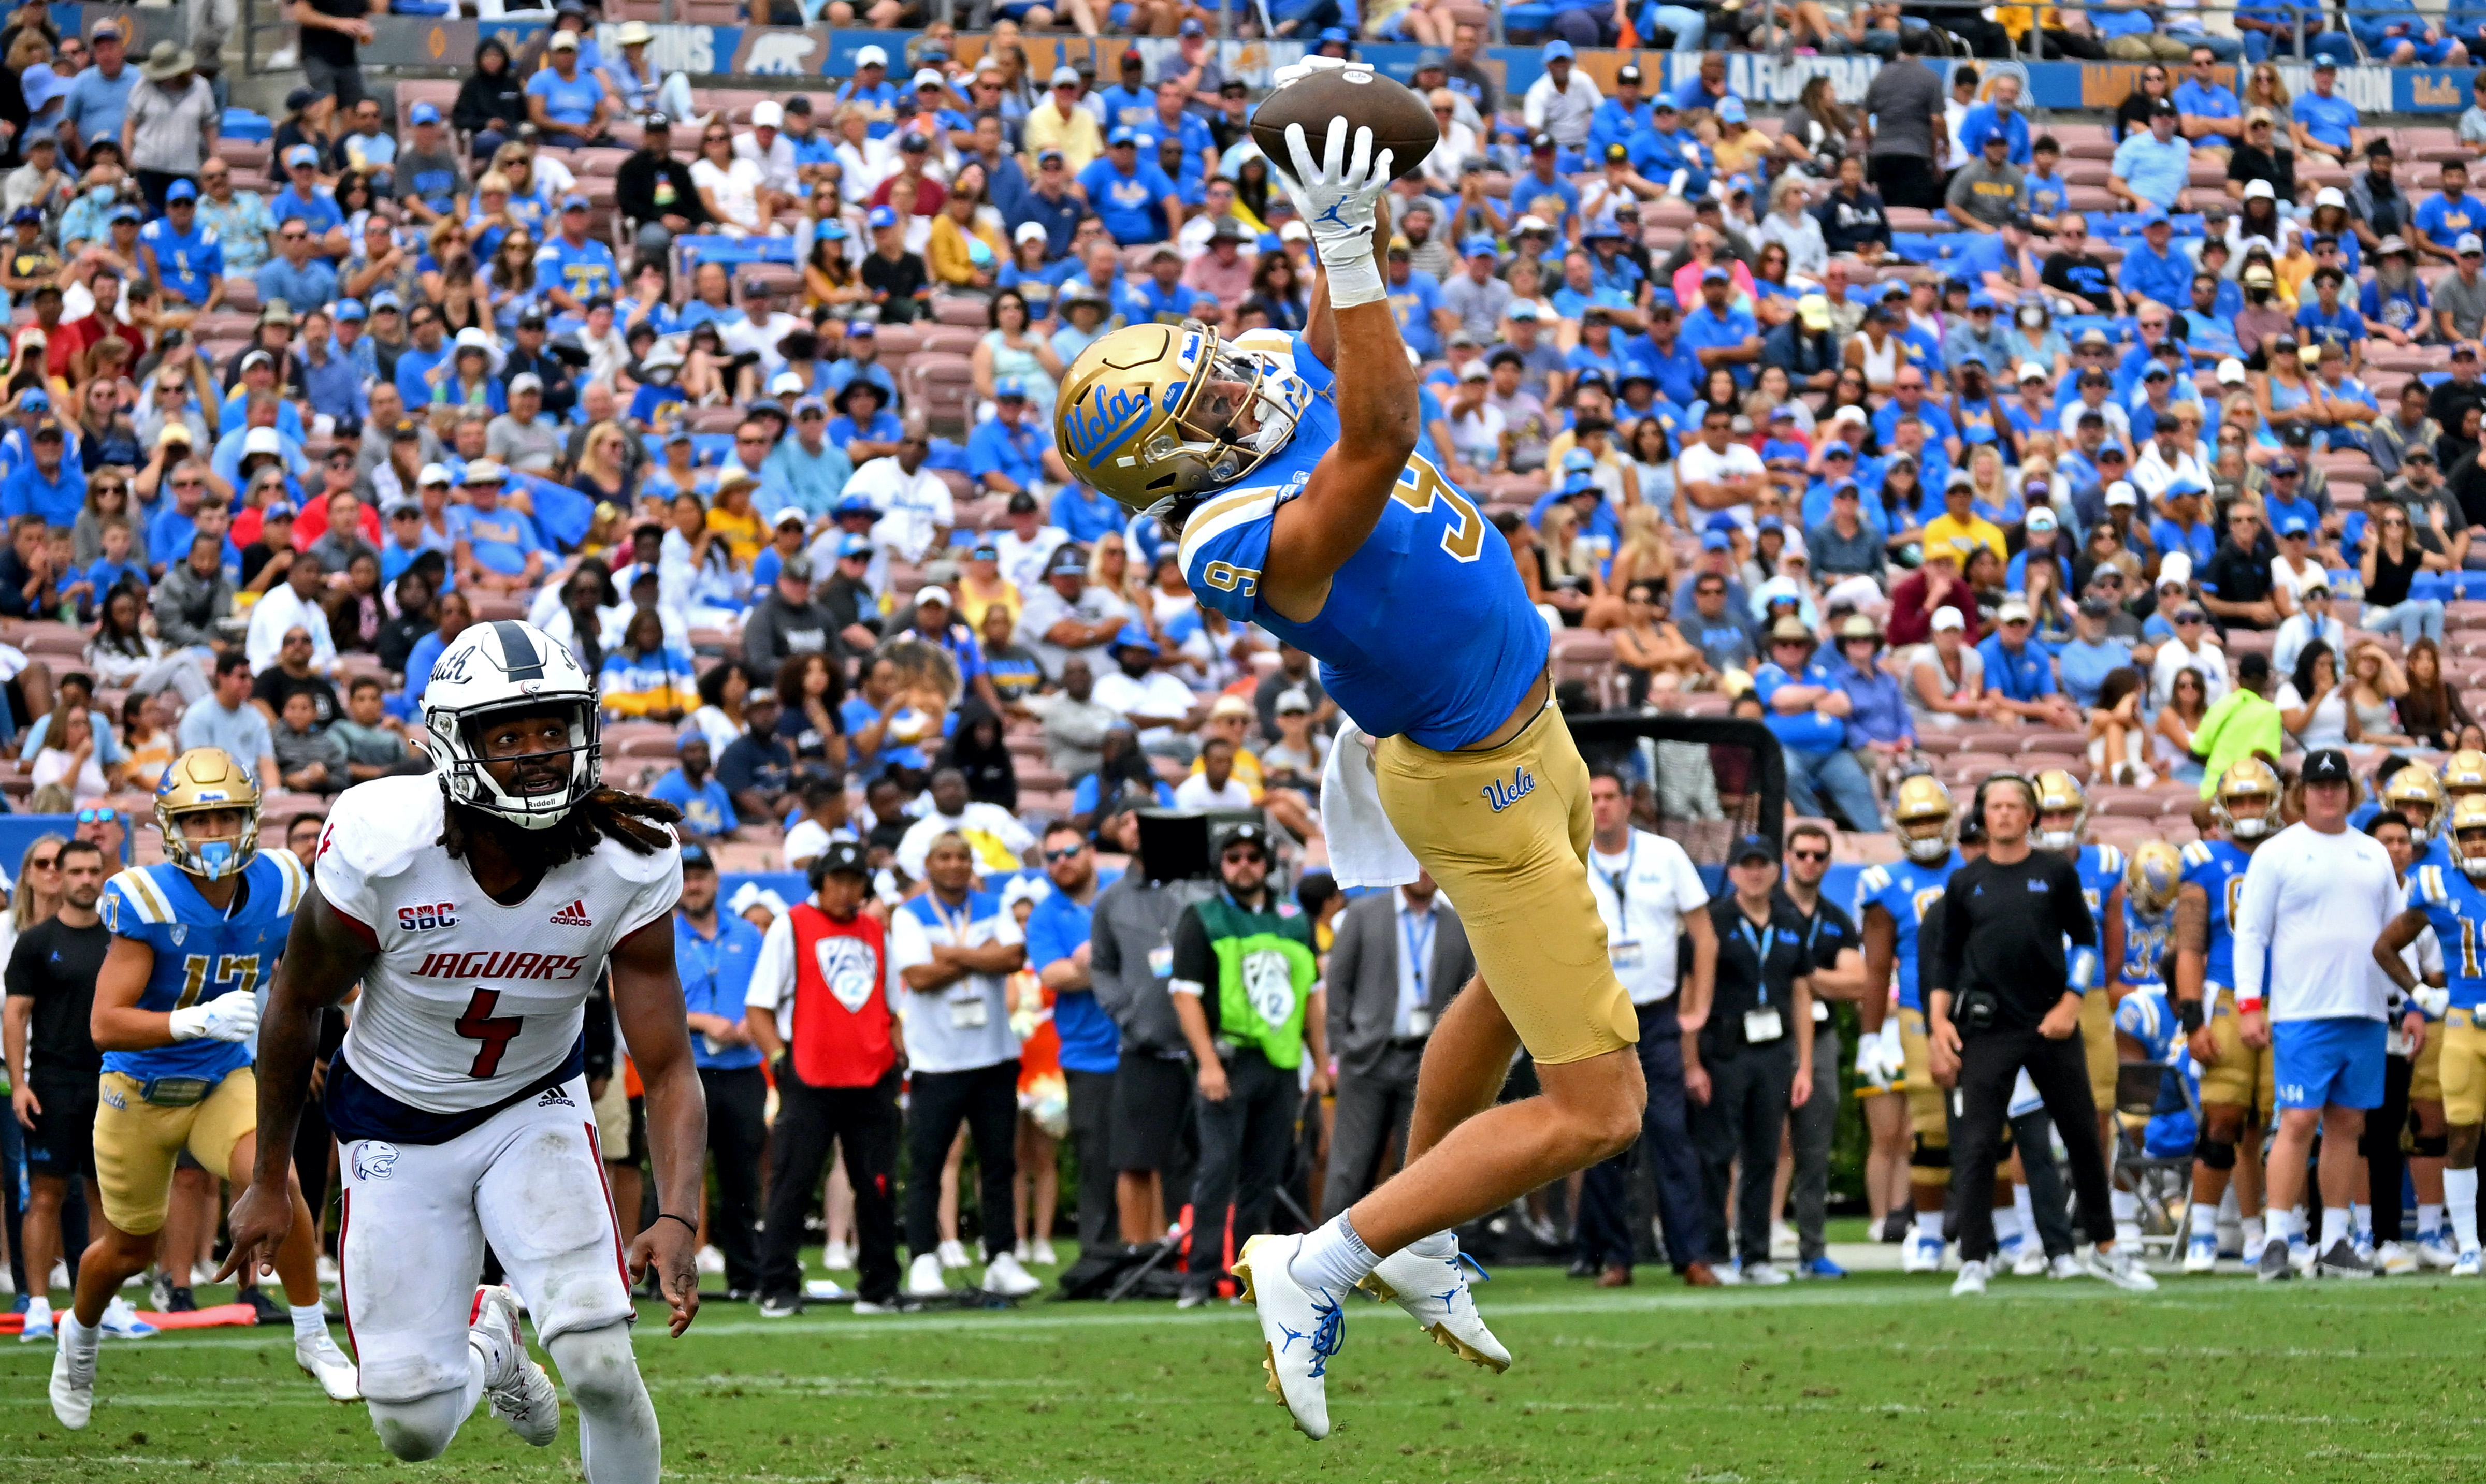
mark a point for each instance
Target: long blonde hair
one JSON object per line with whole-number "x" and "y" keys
{"x": 1644, "y": 551}
{"x": 21, "y": 904}
{"x": 607, "y": 472}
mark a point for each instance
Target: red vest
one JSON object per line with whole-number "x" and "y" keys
{"x": 842, "y": 1014}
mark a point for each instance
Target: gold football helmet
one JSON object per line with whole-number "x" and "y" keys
{"x": 206, "y": 780}
{"x": 2418, "y": 795}
{"x": 1922, "y": 811}
{"x": 2152, "y": 876}
{"x": 1156, "y": 414}
{"x": 2463, "y": 772}
{"x": 2059, "y": 793}
{"x": 2246, "y": 781}
{"x": 2469, "y": 829}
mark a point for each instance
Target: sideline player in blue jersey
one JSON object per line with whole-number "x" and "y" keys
{"x": 2238, "y": 1090}
{"x": 2452, "y": 902}
{"x": 194, "y": 940}
{"x": 2062, "y": 823}
{"x": 2413, "y": 1070}
{"x": 1290, "y": 468}
{"x": 1890, "y": 905}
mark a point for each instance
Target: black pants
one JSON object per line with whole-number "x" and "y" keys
{"x": 1604, "y": 1225}
{"x": 1243, "y": 1144}
{"x": 812, "y": 1121}
{"x": 1990, "y": 1062}
{"x": 1373, "y": 1108}
{"x": 1744, "y": 1118}
{"x": 986, "y": 1101}
{"x": 1906, "y": 180}
{"x": 737, "y": 1130}
{"x": 2058, "y": 45}
{"x": 2384, "y": 1162}
{"x": 2033, "y": 1134}
{"x": 1091, "y": 1139}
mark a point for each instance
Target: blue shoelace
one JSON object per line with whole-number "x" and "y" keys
{"x": 1329, "y": 1334}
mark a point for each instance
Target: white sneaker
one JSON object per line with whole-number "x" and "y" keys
{"x": 2435, "y": 1253}
{"x": 61, "y": 1274}
{"x": 2300, "y": 1256}
{"x": 39, "y": 1323}
{"x": 953, "y": 1254}
{"x": 2201, "y": 1252}
{"x": 1040, "y": 1253}
{"x": 2031, "y": 1262}
{"x": 2063, "y": 1265}
{"x": 122, "y": 1322}
{"x": 2467, "y": 1264}
{"x": 8, "y": 1281}
{"x": 2394, "y": 1261}
{"x": 323, "y": 1363}
{"x": 2123, "y": 1270}
{"x": 73, "y": 1384}
{"x": 1761, "y": 1275}
{"x": 1004, "y": 1276}
{"x": 521, "y": 1393}
{"x": 203, "y": 1275}
{"x": 1783, "y": 1242}
{"x": 2250, "y": 1254}
{"x": 1971, "y": 1281}
{"x": 1434, "y": 1293}
{"x": 924, "y": 1279}
{"x": 709, "y": 1261}
{"x": 1300, "y": 1329}
{"x": 1923, "y": 1252}
{"x": 2008, "y": 1250}
{"x": 837, "y": 1258}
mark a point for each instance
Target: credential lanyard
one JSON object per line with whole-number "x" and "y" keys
{"x": 1762, "y": 941}
{"x": 1420, "y": 950}
{"x": 1620, "y": 882}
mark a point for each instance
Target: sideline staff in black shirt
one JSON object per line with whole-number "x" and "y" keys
{"x": 2000, "y": 999}
{"x": 52, "y": 1059}
{"x": 1755, "y": 1050}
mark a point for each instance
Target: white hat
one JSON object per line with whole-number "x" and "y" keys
{"x": 525, "y": 381}
{"x": 793, "y": 513}
{"x": 433, "y": 474}
{"x": 767, "y": 116}
{"x": 2120, "y": 492}
{"x": 1851, "y": 413}
{"x": 933, "y": 594}
{"x": 2176, "y": 569}
{"x": 2013, "y": 610}
{"x": 1475, "y": 370}
{"x": 930, "y": 77}
{"x": 2329, "y": 196}
{"x": 1531, "y": 223}
{"x": 2259, "y": 190}
{"x": 261, "y": 440}
{"x": 785, "y": 383}
{"x": 562, "y": 41}
{"x": 485, "y": 471}
{"x": 2041, "y": 518}
{"x": 869, "y": 56}
{"x": 1295, "y": 232}
{"x": 476, "y": 337}
{"x": 1025, "y": 889}
{"x": 750, "y": 895}
{"x": 1947, "y": 617}
{"x": 1028, "y": 232}
{"x": 2031, "y": 370}
{"x": 664, "y": 352}
{"x": 2231, "y": 371}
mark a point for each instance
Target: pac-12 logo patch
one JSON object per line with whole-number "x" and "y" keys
{"x": 1502, "y": 795}
{"x": 374, "y": 1160}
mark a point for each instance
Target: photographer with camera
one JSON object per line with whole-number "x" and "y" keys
{"x": 2000, "y": 998}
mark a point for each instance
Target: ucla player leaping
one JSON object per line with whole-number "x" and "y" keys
{"x": 1290, "y": 468}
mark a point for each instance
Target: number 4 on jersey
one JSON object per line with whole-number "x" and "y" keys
{"x": 495, "y": 1031}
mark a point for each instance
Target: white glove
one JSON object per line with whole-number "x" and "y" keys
{"x": 1334, "y": 197}
{"x": 233, "y": 1016}
{"x": 2434, "y": 1002}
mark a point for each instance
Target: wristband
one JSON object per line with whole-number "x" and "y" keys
{"x": 1355, "y": 278}
{"x": 2245, "y": 1006}
{"x": 2188, "y": 1014}
{"x": 688, "y": 1225}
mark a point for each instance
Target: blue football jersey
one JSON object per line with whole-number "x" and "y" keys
{"x": 2101, "y": 869}
{"x": 1427, "y": 633}
{"x": 2144, "y": 940}
{"x": 2145, "y": 1016}
{"x": 1907, "y": 890}
{"x": 2456, "y": 910}
{"x": 2217, "y": 867}
{"x": 199, "y": 952}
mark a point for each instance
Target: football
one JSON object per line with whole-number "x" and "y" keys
{"x": 1400, "y": 119}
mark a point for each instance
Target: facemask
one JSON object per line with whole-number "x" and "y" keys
{"x": 100, "y": 194}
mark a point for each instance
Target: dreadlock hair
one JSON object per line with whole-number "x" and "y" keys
{"x": 641, "y": 825}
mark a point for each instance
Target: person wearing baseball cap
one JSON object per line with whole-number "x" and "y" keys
{"x": 1128, "y": 192}
{"x": 1011, "y": 451}
{"x": 566, "y": 102}
{"x": 1062, "y": 120}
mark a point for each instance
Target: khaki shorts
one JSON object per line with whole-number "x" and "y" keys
{"x": 1927, "y": 1120}
{"x": 2463, "y": 1068}
{"x": 2425, "y": 1073}
{"x": 2238, "y": 1075}
{"x": 2097, "y": 1042}
{"x": 136, "y": 1142}
{"x": 1505, "y": 830}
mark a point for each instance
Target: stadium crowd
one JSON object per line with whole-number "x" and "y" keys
{"x": 1962, "y": 443}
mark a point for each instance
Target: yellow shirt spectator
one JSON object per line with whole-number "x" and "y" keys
{"x": 1061, "y": 122}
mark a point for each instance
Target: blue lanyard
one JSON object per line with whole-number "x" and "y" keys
{"x": 1418, "y": 952}
{"x": 1620, "y": 882}
{"x": 705, "y": 951}
{"x": 1762, "y": 941}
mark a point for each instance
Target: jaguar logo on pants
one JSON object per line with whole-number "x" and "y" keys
{"x": 374, "y": 1160}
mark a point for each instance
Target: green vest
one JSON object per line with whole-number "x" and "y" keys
{"x": 1266, "y": 971}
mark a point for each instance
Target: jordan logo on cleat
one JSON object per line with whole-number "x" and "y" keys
{"x": 573, "y": 915}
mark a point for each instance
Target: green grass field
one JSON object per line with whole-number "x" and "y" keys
{"x": 1880, "y": 1376}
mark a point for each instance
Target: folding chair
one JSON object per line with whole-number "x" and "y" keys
{"x": 2162, "y": 1183}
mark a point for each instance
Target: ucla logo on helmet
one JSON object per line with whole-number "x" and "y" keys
{"x": 1116, "y": 416}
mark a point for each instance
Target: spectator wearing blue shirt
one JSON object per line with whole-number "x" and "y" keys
{"x": 1618, "y": 117}
{"x": 1662, "y": 355}
{"x": 1133, "y": 198}
{"x": 1663, "y": 148}
{"x": 2394, "y": 303}
{"x": 2150, "y": 169}
{"x": 2000, "y": 115}
{"x": 1416, "y": 302}
{"x": 498, "y": 549}
{"x": 714, "y": 954}
{"x": 306, "y": 200}
{"x": 2449, "y": 215}
{"x": 48, "y": 484}
{"x": 1718, "y": 334}
{"x": 296, "y": 275}
{"x": 180, "y": 253}
{"x": 330, "y": 380}
{"x": 2044, "y": 193}
{"x": 2154, "y": 270}
{"x": 2326, "y": 123}
{"x": 1085, "y": 515}
{"x": 2207, "y": 112}
{"x": 1006, "y": 453}
{"x": 707, "y": 809}
{"x": 2020, "y": 676}
{"x": 1544, "y": 193}
{"x": 1058, "y": 933}
{"x": 2396, "y": 35}
{"x": 571, "y": 268}
{"x": 566, "y": 100}
{"x": 2093, "y": 655}
{"x": 98, "y": 100}
{"x": 1807, "y": 713}
{"x": 2325, "y": 321}
{"x": 2182, "y": 529}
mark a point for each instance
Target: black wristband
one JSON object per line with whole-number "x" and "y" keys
{"x": 2188, "y": 1013}
{"x": 668, "y": 1215}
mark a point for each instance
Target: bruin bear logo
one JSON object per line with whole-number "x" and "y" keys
{"x": 779, "y": 53}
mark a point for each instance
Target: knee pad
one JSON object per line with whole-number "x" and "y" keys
{"x": 2430, "y": 1147}
{"x": 421, "y": 1429}
{"x": 2215, "y": 1153}
{"x": 598, "y": 1368}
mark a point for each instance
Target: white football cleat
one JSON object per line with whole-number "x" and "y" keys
{"x": 2201, "y": 1252}
{"x": 954, "y": 1253}
{"x": 924, "y": 1279}
{"x": 74, "y": 1382}
{"x": 2467, "y": 1264}
{"x": 1971, "y": 1281}
{"x": 1434, "y": 1293}
{"x": 2119, "y": 1267}
{"x": 1923, "y": 1252}
{"x": 1041, "y": 1253}
{"x": 837, "y": 1258}
{"x": 709, "y": 1261}
{"x": 323, "y": 1363}
{"x": 521, "y": 1392}
{"x": 2032, "y": 1261}
{"x": 2008, "y": 1250}
{"x": 1004, "y": 1276}
{"x": 2434, "y": 1252}
{"x": 122, "y": 1322}
{"x": 1300, "y": 1329}
{"x": 2394, "y": 1260}
{"x": 2063, "y": 1265}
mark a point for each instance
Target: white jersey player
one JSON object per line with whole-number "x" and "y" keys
{"x": 477, "y": 907}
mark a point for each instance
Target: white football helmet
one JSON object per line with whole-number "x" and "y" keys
{"x": 491, "y": 669}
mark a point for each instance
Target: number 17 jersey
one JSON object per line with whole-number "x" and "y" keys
{"x": 469, "y": 1002}
{"x": 1427, "y": 632}
{"x": 200, "y": 952}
